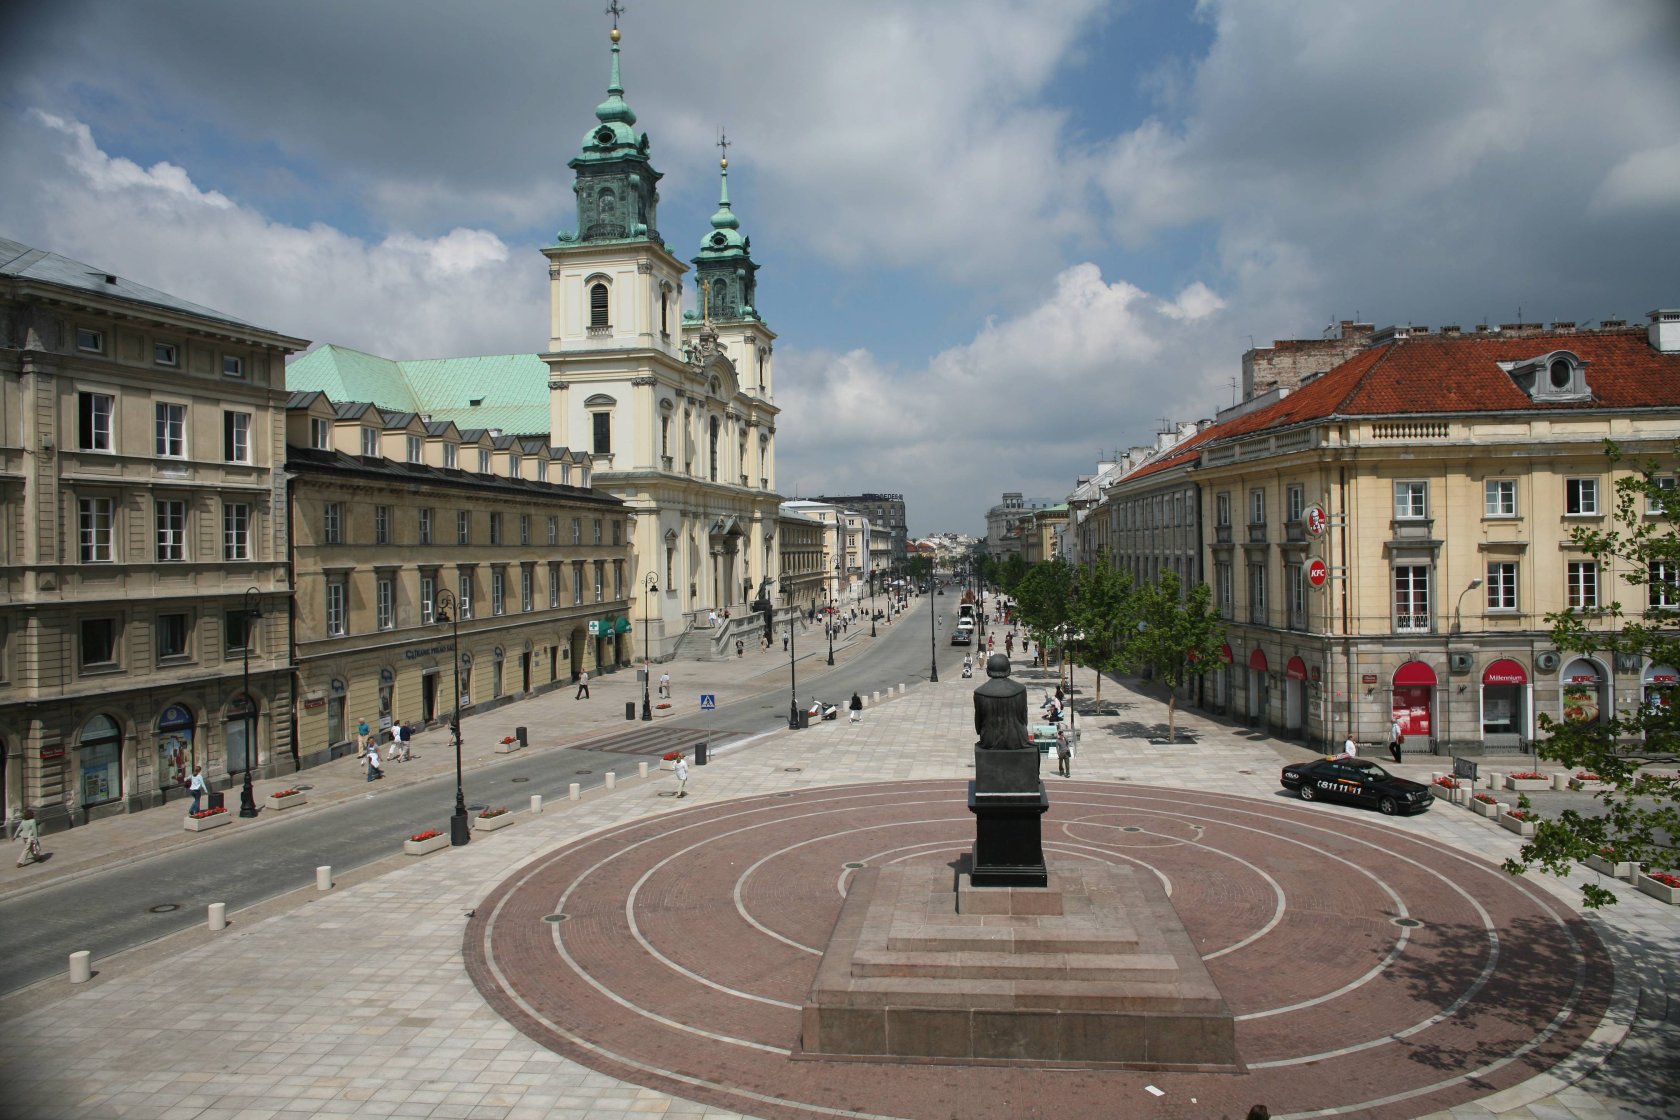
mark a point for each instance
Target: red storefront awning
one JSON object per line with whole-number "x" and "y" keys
{"x": 1505, "y": 671}
{"x": 1225, "y": 653}
{"x": 1297, "y": 669}
{"x": 1257, "y": 660}
{"x": 1414, "y": 673}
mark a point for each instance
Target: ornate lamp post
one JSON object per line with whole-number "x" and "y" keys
{"x": 253, "y": 611}
{"x": 872, "y": 602}
{"x": 651, "y": 584}
{"x": 831, "y": 617}
{"x": 785, "y": 582}
{"x": 933, "y": 641}
{"x": 447, "y": 612}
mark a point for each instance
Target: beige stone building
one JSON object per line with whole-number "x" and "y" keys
{"x": 802, "y": 547}
{"x": 1387, "y": 540}
{"x": 393, "y": 516}
{"x": 142, "y": 525}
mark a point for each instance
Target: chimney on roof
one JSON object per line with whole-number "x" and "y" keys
{"x": 1611, "y": 324}
{"x": 1452, "y": 330}
{"x": 1664, "y": 331}
{"x": 1481, "y": 328}
{"x": 1565, "y": 325}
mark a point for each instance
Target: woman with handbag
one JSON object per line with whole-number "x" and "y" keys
{"x": 29, "y": 832}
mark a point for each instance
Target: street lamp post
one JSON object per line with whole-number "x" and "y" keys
{"x": 933, "y": 641}
{"x": 785, "y": 582}
{"x": 652, "y": 586}
{"x": 872, "y": 602}
{"x": 448, "y": 611}
{"x": 253, "y": 611}
{"x": 1458, "y": 628}
{"x": 831, "y": 618}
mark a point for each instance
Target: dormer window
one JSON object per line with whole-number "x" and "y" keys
{"x": 1558, "y": 377}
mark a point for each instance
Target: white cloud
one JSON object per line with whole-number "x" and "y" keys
{"x": 1646, "y": 181}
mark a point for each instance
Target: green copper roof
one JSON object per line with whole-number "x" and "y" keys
{"x": 514, "y": 387}
{"x": 615, "y": 137}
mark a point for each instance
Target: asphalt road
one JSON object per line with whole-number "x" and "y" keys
{"x": 109, "y": 911}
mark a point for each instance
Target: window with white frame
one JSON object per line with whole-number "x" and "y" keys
{"x": 451, "y": 455}
{"x": 1583, "y": 585}
{"x": 1663, "y": 584}
{"x": 577, "y": 530}
{"x": 416, "y": 449}
{"x": 370, "y": 441}
{"x": 1295, "y": 577}
{"x": 233, "y": 365}
{"x": 1411, "y": 599}
{"x": 1222, "y": 588}
{"x": 516, "y": 466}
{"x": 1411, "y": 500}
{"x": 171, "y": 430}
{"x": 1663, "y": 498}
{"x": 1501, "y": 585}
{"x": 600, "y": 581}
{"x": 94, "y": 421}
{"x": 486, "y": 458}
{"x": 463, "y": 526}
{"x": 385, "y": 602}
{"x": 1257, "y": 593}
{"x": 670, "y": 567}
{"x": 1580, "y": 497}
{"x": 527, "y": 587}
{"x": 332, "y": 523}
{"x": 1256, "y": 507}
{"x": 425, "y": 526}
{"x": 236, "y": 531}
{"x": 1222, "y": 509}
{"x": 464, "y": 597}
{"x": 1500, "y": 497}
{"x": 617, "y": 532}
{"x": 90, "y": 340}
{"x": 381, "y": 524}
{"x": 338, "y": 604}
{"x": 166, "y": 354}
{"x": 498, "y": 590}
{"x": 236, "y": 437}
{"x": 495, "y": 528}
{"x": 554, "y": 583}
{"x": 618, "y": 579}
{"x": 171, "y": 517}
{"x": 597, "y": 527}
{"x": 320, "y": 434}
{"x": 95, "y": 517}
{"x": 1295, "y": 503}
{"x": 524, "y": 528}
{"x": 428, "y": 598}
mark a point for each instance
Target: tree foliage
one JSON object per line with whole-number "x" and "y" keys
{"x": 1639, "y": 812}
{"x": 1176, "y": 636}
{"x": 1043, "y": 596}
{"x": 1102, "y": 617}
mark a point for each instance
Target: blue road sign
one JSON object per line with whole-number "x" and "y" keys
{"x": 708, "y": 702}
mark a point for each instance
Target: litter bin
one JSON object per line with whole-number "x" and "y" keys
{"x": 215, "y": 800}
{"x": 519, "y": 733}
{"x": 804, "y": 720}
{"x": 629, "y": 709}
{"x": 700, "y": 754}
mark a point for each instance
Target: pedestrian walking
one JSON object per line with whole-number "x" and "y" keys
{"x": 665, "y": 685}
{"x": 681, "y": 772}
{"x": 362, "y": 737}
{"x": 784, "y": 642}
{"x": 583, "y": 687}
{"x": 857, "y": 708}
{"x": 1350, "y": 749}
{"x": 197, "y": 787}
{"x": 29, "y": 834}
{"x": 740, "y": 648}
{"x": 401, "y": 736}
{"x": 1396, "y": 739}
{"x": 373, "y": 770}
{"x": 1064, "y": 752}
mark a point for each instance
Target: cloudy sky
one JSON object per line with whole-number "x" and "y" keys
{"x": 999, "y": 238}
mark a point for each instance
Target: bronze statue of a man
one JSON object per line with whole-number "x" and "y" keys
{"x": 1000, "y": 709}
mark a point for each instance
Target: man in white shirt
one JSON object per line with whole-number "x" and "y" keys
{"x": 681, "y": 772}
{"x": 1350, "y": 749}
{"x": 1396, "y": 738}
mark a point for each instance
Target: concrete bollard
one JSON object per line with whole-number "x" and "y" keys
{"x": 218, "y": 916}
{"x": 323, "y": 877}
{"x": 641, "y": 769}
{"x": 612, "y": 779}
{"x": 875, "y": 697}
{"x": 536, "y": 804}
{"x": 81, "y": 967}
{"x": 901, "y": 690}
{"x": 574, "y": 791}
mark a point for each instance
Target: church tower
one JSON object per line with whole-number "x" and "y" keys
{"x": 675, "y": 410}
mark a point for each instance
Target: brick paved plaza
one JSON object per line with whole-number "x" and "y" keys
{"x": 692, "y": 929}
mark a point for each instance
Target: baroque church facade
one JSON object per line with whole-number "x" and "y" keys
{"x": 675, "y": 408}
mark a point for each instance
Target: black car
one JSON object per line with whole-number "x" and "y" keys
{"x": 1356, "y": 781}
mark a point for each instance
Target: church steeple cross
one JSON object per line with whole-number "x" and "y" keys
{"x": 722, "y": 140}
{"x": 615, "y": 9}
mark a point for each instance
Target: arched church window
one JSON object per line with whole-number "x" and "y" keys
{"x": 714, "y": 448}
{"x": 598, "y": 305}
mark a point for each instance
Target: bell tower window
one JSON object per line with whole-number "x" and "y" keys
{"x": 598, "y": 305}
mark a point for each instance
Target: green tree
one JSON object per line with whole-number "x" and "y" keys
{"x": 1009, "y": 572}
{"x": 1102, "y": 616}
{"x": 1042, "y": 597}
{"x": 919, "y": 567}
{"x": 1639, "y": 811}
{"x": 1176, "y": 636}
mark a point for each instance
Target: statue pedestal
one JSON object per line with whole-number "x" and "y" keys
{"x": 1008, "y": 836}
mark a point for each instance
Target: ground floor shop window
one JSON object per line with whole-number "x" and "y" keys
{"x": 1504, "y": 699}
{"x": 337, "y": 731}
{"x": 1583, "y": 691}
{"x": 99, "y": 753}
{"x": 175, "y": 728}
{"x": 1660, "y": 683}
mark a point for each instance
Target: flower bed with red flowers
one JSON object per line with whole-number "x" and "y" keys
{"x": 1530, "y": 776}
{"x": 426, "y": 835}
{"x": 1587, "y": 776}
{"x": 506, "y": 739}
{"x": 1487, "y": 799}
{"x": 1664, "y": 878}
{"x": 1446, "y": 782}
{"x": 1522, "y": 815}
{"x": 488, "y": 813}
{"x": 671, "y": 756}
{"x": 202, "y": 813}
{"x": 286, "y": 793}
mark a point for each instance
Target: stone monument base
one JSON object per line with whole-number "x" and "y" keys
{"x": 1094, "y": 969}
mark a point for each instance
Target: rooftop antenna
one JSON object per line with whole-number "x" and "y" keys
{"x": 1519, "y": 314}
{"x": 1232, "y": 382}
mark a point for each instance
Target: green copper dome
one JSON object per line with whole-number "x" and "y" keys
{"x": 616, "y": 184}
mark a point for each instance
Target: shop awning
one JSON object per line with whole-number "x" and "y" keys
{"x": 1225, "y": 653}
{"x": 1297, "y": 669}
{"x": 1661, "y": 674}
{"x": 1257, "y": 660}
{"x": 1414, "y": 674}
{"x": 1581, "y": 671}
{"x": 1505, "y": 671}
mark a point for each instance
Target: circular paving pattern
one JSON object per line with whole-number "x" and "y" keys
{"x": 1370, "y": 971}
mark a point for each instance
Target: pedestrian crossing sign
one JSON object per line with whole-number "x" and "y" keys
{"x": 708, "y": 702}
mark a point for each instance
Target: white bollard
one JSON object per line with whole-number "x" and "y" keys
{"x": 901, "y": 690}
{"x": 81, "y": 967}
{"x": 323, "y": 877}
{"x": 641, "y": 769}
{"x": 875, "y": 697}
{"x": 218, "y": 916}
{"x": 536, "y": 804}
{"x": 574, "y": 791}
{"x": 612, "y": 779}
